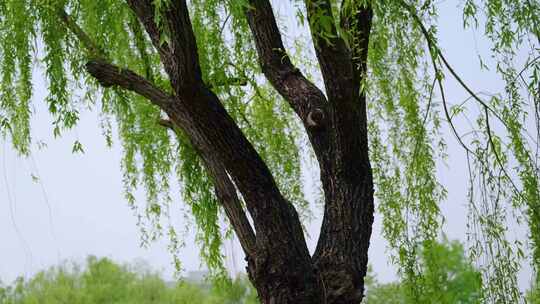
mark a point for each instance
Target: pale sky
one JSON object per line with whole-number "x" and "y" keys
{"x": 77, "y": 208}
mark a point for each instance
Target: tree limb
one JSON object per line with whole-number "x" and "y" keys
{"x": 145, "y": 13}
{"x": 342, "y": 249}
{"x": 226, "y": 194}
{"x": 140, "y": 45}
{"x": 332, "y": 52}
{"x": 108, "y": 75}
{"x": 111, "y": 75}
{"x": 356, "y": 20}
{"x": 276, "y": 65}
{"x": 178, "y": 48}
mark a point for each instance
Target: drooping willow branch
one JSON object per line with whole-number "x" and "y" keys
{"x": 108, "y": 75}
{"x": 435, "y": 53}
{"x": 531, "y": 202}
{"x": 93, "y": 49}
{"x": 225, "y": 192}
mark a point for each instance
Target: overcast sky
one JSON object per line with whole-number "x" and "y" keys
{"x": 77, "y": 207}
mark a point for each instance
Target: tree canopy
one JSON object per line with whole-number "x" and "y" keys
{"x": 82, "y": 45}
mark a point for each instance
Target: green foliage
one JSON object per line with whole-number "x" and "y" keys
{"x": 404, "y": 131}
{"x": 503, "y": 163}
{"x": 152, "y": 155}
{"x": 405, "y": 120}
{"x": 103, "y": 281}
{"x": 451, "y": 277}
{"x": 511, "y": 25}
{"x": 533, "y": 296}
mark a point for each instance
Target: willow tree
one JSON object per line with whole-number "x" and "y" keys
{"x": 207, "y": 90}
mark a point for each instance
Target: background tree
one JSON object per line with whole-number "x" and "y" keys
{"x": 533, "y": 297}
{"x": 100, "y": 280}
{"x": 183, "y": 82}
{"x": 451, "y": 277}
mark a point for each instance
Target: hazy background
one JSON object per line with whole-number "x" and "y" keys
{"x": 77, "y": 206}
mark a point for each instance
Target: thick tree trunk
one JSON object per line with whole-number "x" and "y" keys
{"x": 279, "y": 264}
{"x": 338, "y": 136}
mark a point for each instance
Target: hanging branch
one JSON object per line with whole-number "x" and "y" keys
{"x": 109, "y": 75}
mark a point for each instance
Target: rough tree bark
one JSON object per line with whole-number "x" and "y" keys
{"x": 279, "y": 263}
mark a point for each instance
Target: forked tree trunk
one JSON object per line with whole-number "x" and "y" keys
{"x": 279, "y": 263}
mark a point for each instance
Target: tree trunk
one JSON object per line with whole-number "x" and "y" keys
{"x": 279, "y": 264}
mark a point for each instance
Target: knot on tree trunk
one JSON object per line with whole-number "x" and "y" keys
{"x": 316, "y": 118}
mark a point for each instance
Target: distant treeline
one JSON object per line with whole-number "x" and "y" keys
{"x": 451, "y": 279}
{"x": 102, "y": 281}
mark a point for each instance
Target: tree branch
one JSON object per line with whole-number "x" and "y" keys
{"x": 356, "y": 20}
{"x": 332, "y": 52}
{"x": 178, "y": 49}
{"x": 145, "y": 13}
{"x": 226, "y": 193}
{"x": 342, "y": 249}
{"x": 204, "y": 119}
{"x": 435, "y": 52}
{"x": 111, "y": 75}
{"x": 108, "y": 75}
{"x": 140, "y": 45}
{"x": 276, "y": 65}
